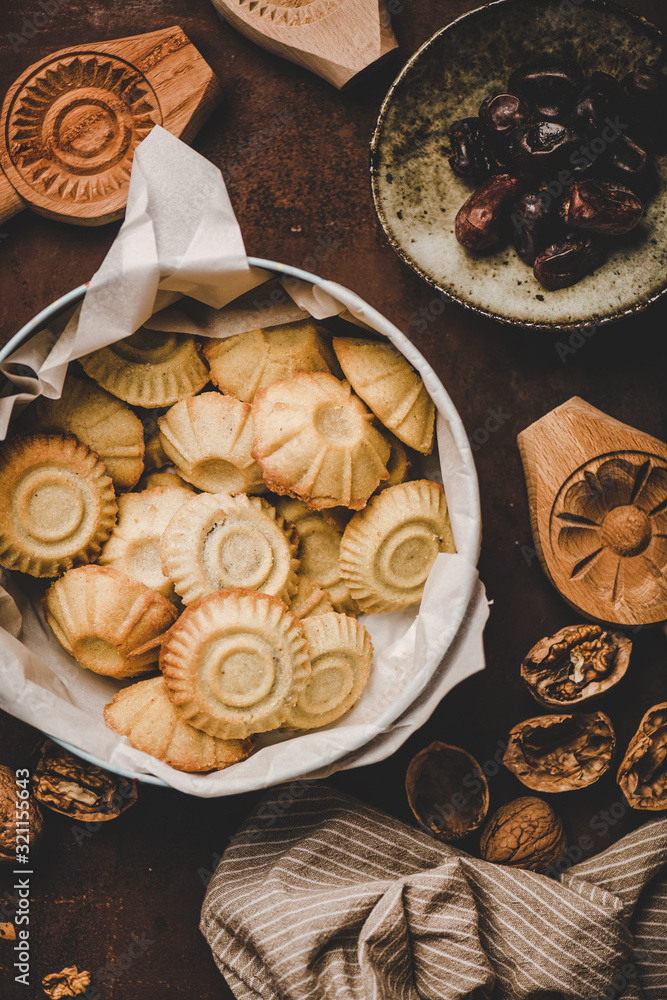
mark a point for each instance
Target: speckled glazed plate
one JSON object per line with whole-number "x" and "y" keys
{"x": 417, "y": 196}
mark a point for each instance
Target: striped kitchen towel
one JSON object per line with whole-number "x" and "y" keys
{"x": 320, "y": 897}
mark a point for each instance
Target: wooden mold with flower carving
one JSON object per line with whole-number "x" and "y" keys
{"x": 597, "y": 490}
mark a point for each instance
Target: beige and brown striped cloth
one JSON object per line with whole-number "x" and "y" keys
{"x": 320, "y": 897}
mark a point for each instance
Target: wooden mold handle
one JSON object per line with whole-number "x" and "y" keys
{"x": 11, "y": 203}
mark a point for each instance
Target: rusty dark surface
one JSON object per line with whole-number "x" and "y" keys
{"x": 294, "y": 153}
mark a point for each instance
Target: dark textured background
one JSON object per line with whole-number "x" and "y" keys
{"x": 143, "y": 874}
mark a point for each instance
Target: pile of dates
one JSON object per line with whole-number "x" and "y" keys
{"x": 565, "y": 163}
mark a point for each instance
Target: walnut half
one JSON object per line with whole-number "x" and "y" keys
{"x": 525, "y": 833}
{"x": 575, "y": 664}
{"x": 642, "y": 775}
{"x": 78, "y": 789}
{"x": 560, "y": 753}
{"x": 447, "y": 791}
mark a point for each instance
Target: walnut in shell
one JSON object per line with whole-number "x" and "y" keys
{"x": 447, "y": 791}
{"x": 12, "y": 824}
{"x": 575, "y": 664}
{"x": 78, "y": 789}
{"x": 525, "y": 833}
{"x": 642, "y": 775}
{"x": 560, "y": 753}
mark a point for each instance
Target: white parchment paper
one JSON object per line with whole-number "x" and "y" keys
{"x": 180, "y": 238}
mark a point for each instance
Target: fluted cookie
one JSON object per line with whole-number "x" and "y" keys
{"x": 217, "y": 541}
{"x": 209, "y": 439}
{"x": 398, "y": 465}
{"x": 316, "y": 441}
{"x": 388, "y": 549}
{"x": 319, "y": 549}
{"x": 109, "y": 623}
{"x": 387, "y": 382}
{"x": 235, "y": 663}
{"x": 341, "y": 654}
{"x": 97, "y": 419}
{"x": 243, "y": 364}
{"x": 309, "y": 599}
{"x": 149, "y": 368}
{"x": 145, "y": 714}
{"x": 134, "y": 545}
{"x": 57, "y": 504}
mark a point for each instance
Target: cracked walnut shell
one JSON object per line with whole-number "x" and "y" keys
{"x": 578, "y": 663}
{"x": 525, "y": 833}
{"x": 642, "y": 775}
{"x": 560, "y": 753}
{"x": 9, "y": 824}
{"x": 447, "y": 791}
{"x": 78, "y": 789}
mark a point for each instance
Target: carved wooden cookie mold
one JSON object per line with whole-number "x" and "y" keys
{"x": 71, "y": 123}
{"x": 598, "y": 498}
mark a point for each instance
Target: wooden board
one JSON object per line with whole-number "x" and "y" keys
{"x": 71, "y": 122}
{"x": 336, "y": 39}
{"x": 597, "y": 490}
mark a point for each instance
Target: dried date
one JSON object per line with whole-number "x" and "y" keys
{"x": 501, "y": 113}
{"x": 575, "y": 664}
{"x": 642, "y": 775}
{"x": 550, "y": 88}
{"x": 472, "y": 155}
{"x": 601, "y": 207}
{"x": 533, "y": 224}
{"x": 481, "y": 219}
{"x": 560, "y": 753}
{"x": 447, "y": 791}
{"x": 568, "y": 260}
{"x": 541, "y": 146}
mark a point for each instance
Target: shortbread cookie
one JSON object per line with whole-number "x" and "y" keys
{"x": 378, "y": 372}
{"x": 144, "y": 713}
{"x": 341, "y": 654}
{"x": 209, "y": 438}
{"x": 319, "y": 549}
{"x": 217, "y": 541}
{"x": 243, "y": 364}
{"x": 235, "y": 663}
{"x": 111, "y": 624}
{"x": 134, "y": 546}
{"x": 316, "y": 441}
{"x": 398, "y": 465}
{"x": 97, "y": 419}
{"x": 155, "y": 456}
{"x": 165, "y": 477}
{"x": 388, "y": 549}
{"x": 309, "y": 599}
{"x": 57, "y": 504}
{"x": 149, "y": 368}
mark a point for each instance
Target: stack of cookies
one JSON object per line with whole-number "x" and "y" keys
{"x": 222, "y": 559}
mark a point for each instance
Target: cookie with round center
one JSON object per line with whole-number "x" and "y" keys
{"x": 388, "y": 549}
{"x": 134, "y": 545}
{"x": 145, "y": 714}
{"x": 109, "y": 623}
{"x": 216, "y": 541}
{"x": 341, "y": 654}
{"x": 315, "y": 440}
{"x": 209, "y": 438}
{"x": 243, "y": 364}
{"x": 57, "y": 504}
{"x": 149, "y": 368}
{"x": 97, "y": 419}
{"x": 319, "y": 549}
{"x": 235, "y": 663}
{"x": 387, "y": 382}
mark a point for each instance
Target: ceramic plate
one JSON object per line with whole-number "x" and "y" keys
{"x": 417, "y": 196}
